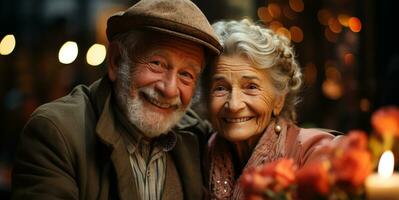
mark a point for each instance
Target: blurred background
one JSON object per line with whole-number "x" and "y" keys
{"x": 348, "y": 51}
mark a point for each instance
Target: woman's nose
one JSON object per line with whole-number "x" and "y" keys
{"x": 235, "y": 102}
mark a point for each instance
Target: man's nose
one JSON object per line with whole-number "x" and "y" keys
{"x": 168, "y": 86}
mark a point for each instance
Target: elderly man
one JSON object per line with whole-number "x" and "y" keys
{"x": 130, "y": 135}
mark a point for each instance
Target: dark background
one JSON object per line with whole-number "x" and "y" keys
{"x": 346, "y": 77}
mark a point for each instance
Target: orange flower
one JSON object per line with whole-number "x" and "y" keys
{"x": 313, "y": 180}
{"x": 352, "y": 167}
{"x": 275, "y": 176}
{"x": 282, "y": 171}
{"x": 356, "y": 139}
{"x": 253, "y": 182}
{"x": 386, "y": 120}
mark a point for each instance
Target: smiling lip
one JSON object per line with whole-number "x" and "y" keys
{"x": 158, "y": 103}
{"x": 237, "y": 119}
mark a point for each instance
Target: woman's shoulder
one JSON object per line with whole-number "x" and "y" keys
{"x": 312, "y": 142}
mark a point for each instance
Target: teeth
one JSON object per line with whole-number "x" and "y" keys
{"x": 237, "y": 120}
{"x": 159, "y": 104}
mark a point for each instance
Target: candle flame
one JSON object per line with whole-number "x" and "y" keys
{"x": 386, "y": 164}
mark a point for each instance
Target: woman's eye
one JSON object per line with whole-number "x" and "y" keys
{"x": 219, "y": 88}
{"x": 253, "y": 86}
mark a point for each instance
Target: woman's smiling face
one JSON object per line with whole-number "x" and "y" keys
{"x": 242, "y": 99}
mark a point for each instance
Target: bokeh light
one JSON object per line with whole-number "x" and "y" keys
{"x": 296, "y": 34}
{"x": 96, "y": 54}
{"x": 332, "y": 89}
{"x": 333, "y": 73}
{"x": 284, "y": 32}
{"x": 324, "y": 16}
{"x": 355, "y": 24}
{"x": 296, "y": 5}
{"x": 7, "y": 44}
{"x": 310, "y": 72}
{"x": 330, "y": 36}
{"x": 274, "y": 10}
{"x": 364, "y": 105}
{"x": 288, "y": 12}
{"x": 334, "y": 25}
{"x": 274, "y": 25}
{"x": 349, "y": 59}
{"x": 68, "y": 52}
{"x": 343, "y": 20}
{"x": 264, "y": 15}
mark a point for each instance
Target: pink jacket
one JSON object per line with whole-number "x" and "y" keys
{"x": 302, "y": 145}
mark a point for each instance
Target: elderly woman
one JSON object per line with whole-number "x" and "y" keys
{"x": 251, "y": 94}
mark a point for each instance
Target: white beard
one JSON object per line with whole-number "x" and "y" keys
{"x": 150, "y": 123}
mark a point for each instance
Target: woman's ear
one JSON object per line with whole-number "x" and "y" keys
{"x": 278, "y": 104}
{"x": 114, "y": 57}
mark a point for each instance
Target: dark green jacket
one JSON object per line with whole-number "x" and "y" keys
{"x": 68, "y": 150}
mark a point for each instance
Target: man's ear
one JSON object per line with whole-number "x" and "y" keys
{"x": 278, "y": 104}
{"x": 113, "y": 60}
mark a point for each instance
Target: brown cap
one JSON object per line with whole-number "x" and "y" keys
{"x": 181, "y": 18}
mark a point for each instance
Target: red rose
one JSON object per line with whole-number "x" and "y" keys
{"x": 253, "y": 182}
{"x": 356, "y": 139}
{"x": 313, "y": 180}
{"x": 352, "y": 167}
{"x": 275, "y": 176}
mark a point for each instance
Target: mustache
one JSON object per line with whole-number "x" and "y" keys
{"x": 157, "y": 96}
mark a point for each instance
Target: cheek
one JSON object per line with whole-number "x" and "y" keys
{"x": 216, "y": 105}
{"x": 144, "y": 77}
{"x": 263, "y": 106}
{"x": 186, "y": 93}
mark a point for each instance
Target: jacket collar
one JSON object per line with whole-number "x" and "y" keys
{"x": 108, "y": 133}
{"x": 185, "y": 154}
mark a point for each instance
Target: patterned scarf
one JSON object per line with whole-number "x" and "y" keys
{"x": 222, "y": 183}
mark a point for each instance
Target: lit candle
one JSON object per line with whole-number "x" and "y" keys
{"x": 385, "y": 184}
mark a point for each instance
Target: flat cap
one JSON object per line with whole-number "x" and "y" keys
{"x": 181, "y": 18}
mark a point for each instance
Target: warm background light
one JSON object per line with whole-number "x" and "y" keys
{"x": 264, "y": 15}
{"x": 96, "y": 54}
{"x": 355, "y": 24}
{"x": 274, "y": 10}
{"x": 274, "y": 25}
{"x": 296, "y": 34}
{"x": 343, "y": 20}
{"x": 334, "y": 25}
{"x": 296, "y": 5}
{"x": 7, "y": 44}
{"x": 386, "y": 164}
{"x": 284, "y": 32}
{"x": 330, "y": 36}
{"x": 364, "y": 105}
{"x": 289, "y": 13}
{"x": 324, "y": 15}
{"x": 68, "y": 52}
{"x": 310, "y": 72}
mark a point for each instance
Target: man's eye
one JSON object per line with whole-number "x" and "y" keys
{"x": 156, "y": 66}
{"x": 187, "y": 75}
{"x": 155, "y": 63}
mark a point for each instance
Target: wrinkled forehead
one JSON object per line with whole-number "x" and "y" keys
{"x": 154, "y": 42}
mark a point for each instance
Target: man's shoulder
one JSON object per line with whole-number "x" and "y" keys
{"x": 73, "y": 113}
{"x": 76, "y": 101}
